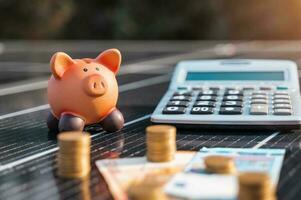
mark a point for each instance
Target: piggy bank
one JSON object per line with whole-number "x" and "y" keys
{"x": 83, "y": 92}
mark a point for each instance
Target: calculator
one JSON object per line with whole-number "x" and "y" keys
{"x": 247, "y": 93}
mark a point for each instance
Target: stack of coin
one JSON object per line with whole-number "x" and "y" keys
{"x": 74, "y": 154}
{"x": 161, "y": 143}
{"x": 219, "y": 164}
{"x": 255, "y": 185}
{"x": 150, "y": 188}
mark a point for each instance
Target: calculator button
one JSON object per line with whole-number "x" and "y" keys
{"x": 233, "y": 92}
{"x": 182, "y": 88}
{"x": 265, "y": 88}
{"x": 201, "y": 110}
{"x": 259, "y": 93}
{"x": 282, "y": 111}
{"x": 259, "y": 101}
{"x": 181, "y": 98}
{"x": 214, "y": 88}
{"x": 206, "y": 98}
{"x": 230, "y": 110}
{"x": 281, "y": 97}
{"x": 204, "y": 103}
{"x": 178, "y": 103}
{"x": 209, "y": 92}
{"x": 248, "y": 88}
{"x": 281, "y": 101}
{"x": 285, "y": 106}
{"x": 232, "y": 98}
{"x": 259, "y": 109}
{"x": 231, "y": 104}
{"x": 183, "y": 93}
{"x": 174, "y": 110}
{"x": 230, "y": 88}
{"x": 282, "y": 87}
{"x": 196, "y": 88}
{"x": 281, "y": 93}
{"x": 259, "y": 96}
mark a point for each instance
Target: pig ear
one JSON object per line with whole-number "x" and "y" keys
{"x": 110, "y": 58}
{"x": 59, "y": 64}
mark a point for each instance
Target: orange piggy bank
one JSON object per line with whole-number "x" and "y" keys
{"x": 84, "y": 91}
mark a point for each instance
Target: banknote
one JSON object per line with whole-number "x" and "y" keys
{"x": 195, "y": 183}
{"x": 122, "y": 172}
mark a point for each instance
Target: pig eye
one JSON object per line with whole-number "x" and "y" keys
{"x": 85, "y": 69}
{"x": 97, "y": 68}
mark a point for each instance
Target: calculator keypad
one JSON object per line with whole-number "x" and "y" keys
{"x": 178, "y": 103}
{"x": 230, "y": 110}
{"x": 230, "y": 101}
{"x": 206, "y": 98}
{"x": 181, "y": 98}
{"x": 204, "y": 103}
{"x": 233, "y": 98}
{"x": 208, "y": 92}
{"x": 282, "y": 112}
{"x": 183, "y": 93}
{"x": 233, "y": 92}
{"x": 201, "y": 110}
{"x": 259, "y": 109}
{"x": 259, "y": 101}
{"x": 231, "y": 104}
{"x": 174, "y": 110}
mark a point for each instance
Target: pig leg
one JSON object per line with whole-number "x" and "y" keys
{"x": 113, "y": 122}
{"x": 70, "y": 122}
{"x": 52, "y": 122}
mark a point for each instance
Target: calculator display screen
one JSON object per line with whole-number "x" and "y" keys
{"x": 235, "y": 76}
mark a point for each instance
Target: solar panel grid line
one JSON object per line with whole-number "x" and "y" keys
{"x": 22, "y": 135}
{"x": 7, "y": 146}
{"x": 293, "y": 141}
{"x": 290, "y": 183}
{"x": 276, "y": 142}
{"x": 122, "y": 88}
{"x": 62, "y": 184}
{"x": 193, "y": 143}
{"x": 190, "y": 142}
{"x": 13, "y": 149}
{"x": 136, "y": 149}
{"x": 290, "y": 157}
{"x": 263, "y": 142}
{"x": 238, "y": 140}
{"x": 132, "y": 136}
{"x": 117, "y": 134}
{"x": 26, "y": 128}
{"x": 110, "y": 140}
{"x": 45, "y": 187}
{"x": 26, "y": 159}
{"x": 99, "y": 134}
{"x": 6, "y": 124}
{"x": 35, "y": 149}
{"x": 25, "y": 111}
{"x": 25, "y": 87}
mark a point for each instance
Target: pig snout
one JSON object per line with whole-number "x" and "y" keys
{"x": 95, "y": 85}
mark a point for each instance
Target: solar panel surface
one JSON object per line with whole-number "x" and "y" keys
{"x": 27, "y": 149}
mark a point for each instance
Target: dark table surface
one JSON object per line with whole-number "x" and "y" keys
{"x": 27, "y": 150}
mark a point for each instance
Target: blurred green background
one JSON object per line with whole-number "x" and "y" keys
{"x": 150, "y": 19}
